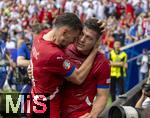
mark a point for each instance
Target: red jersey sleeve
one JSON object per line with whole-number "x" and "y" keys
{"x": 61, "y": 64}
{"x": 103, "y": 75}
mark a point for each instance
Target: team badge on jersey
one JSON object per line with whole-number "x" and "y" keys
{"x": 66, "y": 64}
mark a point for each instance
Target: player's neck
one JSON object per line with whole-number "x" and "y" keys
{"x": 85, "y": 53}
{"x": 50, "y": 36}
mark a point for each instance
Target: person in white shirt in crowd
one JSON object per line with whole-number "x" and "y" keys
{"x": 60, "y": 3}
{"x": 31, "y": 9}
{"x": 95, "y": 6}
{"x": 2, "y": 4}
{"x": 2, "y": 20}
{"x": 79, "y": 8}
{"x": 144, "y": 62}
{"x": 10, "y": 44}
{"x": 100, "y": 12}
{"x": 85, "y": 5}
{"x": 14, "y": 13}
{"x": 109, "y": 8}
{"x": 69, "y": 6}
{"x": 90, "y": 11}
{"x": 14, "y": 27}
{"x": 24, "y": 2}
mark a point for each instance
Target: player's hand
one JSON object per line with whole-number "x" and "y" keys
{"x": 102, "y": 25}
{"x": 96, "y": 46}
{"x": 93, "y": 115}
{"x": 29, "y": 70}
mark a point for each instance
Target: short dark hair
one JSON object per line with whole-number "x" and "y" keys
{"x": 68, "y": 19}
{"x": 93, "y": 24}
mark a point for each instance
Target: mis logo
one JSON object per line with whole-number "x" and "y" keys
{"x": 18, "y": 105}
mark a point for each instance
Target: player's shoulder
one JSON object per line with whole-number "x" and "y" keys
{"x": 101, "y": 61}
{"x": 39, "y": 36}
{"x": 58, "y": 54}
{"x": 45, "y": 31}
{"x": 101, "y": 57}
{"x": 101, "y": 64}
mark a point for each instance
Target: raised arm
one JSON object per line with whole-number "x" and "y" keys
{"x": 79, "y": 75}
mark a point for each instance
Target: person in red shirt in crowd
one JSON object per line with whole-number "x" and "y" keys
{"x": 42, "y": 15}
{"x": 25, "y": 21}
{"x": 78, "y": 101}
{"x": 63, "y": 2}
{"x": 129, "y": 9}
{"x": 48, "y": 14}
{"x": 119, "y": 9}
{"x": 51, "y": 66}
{"x": 110, "y": 39}
{"x": 129, "y": 19}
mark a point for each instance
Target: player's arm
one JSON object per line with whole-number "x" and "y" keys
{"x": 21, "y": 61}
{"x": 98, "y": 105}
{"x": 79, "y": 75}
{"x": 62, "y": 65}
{"x": 103, "y": 81}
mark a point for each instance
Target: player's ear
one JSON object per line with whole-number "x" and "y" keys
{"x": 65, "y": 30}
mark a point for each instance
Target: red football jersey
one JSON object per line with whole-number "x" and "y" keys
{"x": 50, "y": 67}
{"x": 77, "y": 99}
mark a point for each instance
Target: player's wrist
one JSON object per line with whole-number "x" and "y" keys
{"x": 94, "y": 113}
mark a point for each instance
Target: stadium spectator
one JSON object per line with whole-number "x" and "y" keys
{"x": 11, "y": 48}
{"x": 119, "y": 35}
{"x": 133, "y": 32}
{"x": 23, "y": 61}
{"x": 109, "y": 39}
{"x": 69, "y": 6}
{"x": 144, "y": 100}
{"x": 118, "y": 60}
{"x": 144, "y": 62}
{"x": 2, "y": 64}
{"x": 5, "y": 60}
{"x": 90, "y": 11}
{"x": 100, "y": 10}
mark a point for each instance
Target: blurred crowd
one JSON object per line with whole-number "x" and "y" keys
{"x": 127, "y": 21}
